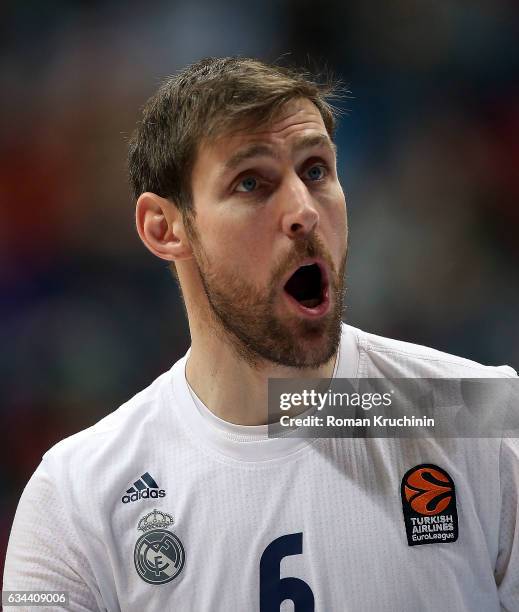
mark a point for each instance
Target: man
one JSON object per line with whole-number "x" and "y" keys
{"x": 179, "y": 500}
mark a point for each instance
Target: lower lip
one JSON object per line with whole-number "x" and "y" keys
{"x": 316, "y": 311}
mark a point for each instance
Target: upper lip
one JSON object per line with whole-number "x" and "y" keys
{"x": 307, "y": 262}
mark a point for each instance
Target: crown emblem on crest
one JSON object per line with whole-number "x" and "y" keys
{"x": 155, "y": 520}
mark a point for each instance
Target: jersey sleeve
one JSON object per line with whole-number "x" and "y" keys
{"x": 44, "y": 551}
{"x": 507, "y": 566}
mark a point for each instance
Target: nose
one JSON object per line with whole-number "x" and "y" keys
{"x": 300, "y": 216}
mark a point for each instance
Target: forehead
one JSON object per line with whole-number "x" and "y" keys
{"x": 295, "y": 115}
{"x": 298, "y": 120}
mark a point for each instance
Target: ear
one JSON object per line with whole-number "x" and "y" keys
{"x": 161, "y": 228}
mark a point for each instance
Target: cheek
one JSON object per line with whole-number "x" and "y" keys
{"x": 241, "y": 245}
{"x": 335, "y": 222}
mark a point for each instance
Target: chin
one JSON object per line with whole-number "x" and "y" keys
{"x": 309, "y": 349}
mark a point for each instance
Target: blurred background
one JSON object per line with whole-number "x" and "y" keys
{"x": 428, "y": 158}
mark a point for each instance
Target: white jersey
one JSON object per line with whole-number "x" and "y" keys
{"x": 163, "y": 506}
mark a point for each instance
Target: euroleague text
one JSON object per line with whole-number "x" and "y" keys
{"x": 433, "y": 528}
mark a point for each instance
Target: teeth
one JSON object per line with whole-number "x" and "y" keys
{"x": 311, "y": 303}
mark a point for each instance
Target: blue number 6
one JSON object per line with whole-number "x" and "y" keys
{"x": 273, "y": 589}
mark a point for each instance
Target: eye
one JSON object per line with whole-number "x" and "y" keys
{"x": 247, "y": 185}
{"x": 316, "y": 173}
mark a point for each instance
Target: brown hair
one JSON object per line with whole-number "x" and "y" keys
{"x": 209, "y": 98}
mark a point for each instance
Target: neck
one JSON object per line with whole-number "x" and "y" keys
{"x": 232, "y": 387}
{"x": 229, "y": 386}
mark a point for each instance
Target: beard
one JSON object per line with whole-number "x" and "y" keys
{"x": 248, "y": 317}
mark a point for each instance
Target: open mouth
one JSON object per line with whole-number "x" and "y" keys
{"x": 307, "y": 286}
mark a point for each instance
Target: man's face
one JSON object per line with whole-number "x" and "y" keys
{"x": 270, "y": 237}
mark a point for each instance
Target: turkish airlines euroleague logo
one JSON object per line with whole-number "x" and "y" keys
{"x": 429, "y": 505}
{"x": 428, "y": 490}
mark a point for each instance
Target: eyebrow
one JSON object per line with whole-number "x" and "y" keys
{"x": 264, "y": 150}
{"x": 314, "y": 140}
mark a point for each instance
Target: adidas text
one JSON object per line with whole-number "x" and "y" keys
{"x": 146, "y": 494}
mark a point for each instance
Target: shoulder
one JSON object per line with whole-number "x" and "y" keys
{"x": 78, "y": 485}
{"x": 95, "y": 466}
{"x": 380, "y": 356}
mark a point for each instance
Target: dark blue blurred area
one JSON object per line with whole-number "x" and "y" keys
{"x": 428, "y": 157}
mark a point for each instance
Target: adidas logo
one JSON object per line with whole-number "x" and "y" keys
{"x": 143, "y": 488}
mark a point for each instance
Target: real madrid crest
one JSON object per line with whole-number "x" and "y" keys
{"x": 159, "y": 555}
